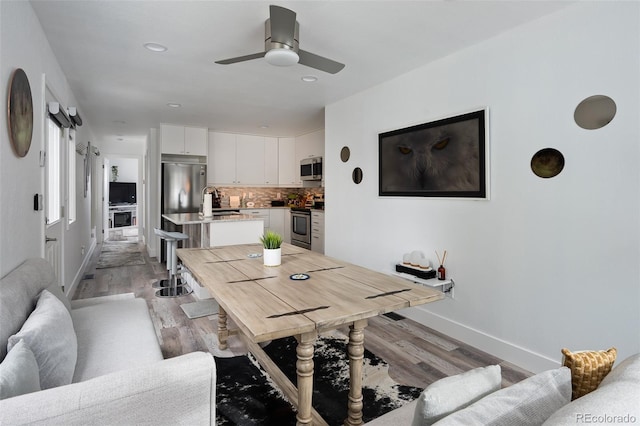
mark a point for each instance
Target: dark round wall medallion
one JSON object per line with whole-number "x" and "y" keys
{"x": 345, "y": 153}
{"x": 357, "y": 175}
{"x": 20, "y": 113}
{"x": 595, "y": 112}
{"x": 547, "y": 163}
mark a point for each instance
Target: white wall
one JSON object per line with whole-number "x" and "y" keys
{"x": 23, "y": 45}
{"x": 546, "y": 263}
{"x": 127, "y": 169}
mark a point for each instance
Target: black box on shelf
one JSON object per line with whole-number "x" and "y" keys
{"x": 420, "y": 273}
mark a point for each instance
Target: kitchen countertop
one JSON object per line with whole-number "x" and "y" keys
{"x": 195, "y": 218}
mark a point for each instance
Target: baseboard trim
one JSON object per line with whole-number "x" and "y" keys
{"x": 151, "y": 251}
{"x": 85, "y": 262}
{"x": 522, "y": 357}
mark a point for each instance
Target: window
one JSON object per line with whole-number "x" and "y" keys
{"x": 71, "y": 177}
{"x": 54, "y": 136}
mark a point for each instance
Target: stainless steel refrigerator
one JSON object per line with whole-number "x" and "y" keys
{"x": 182, "y": 185}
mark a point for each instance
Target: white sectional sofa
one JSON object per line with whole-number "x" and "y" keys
{"x": 475, "y": 398}
{"x": 93, "y": 361}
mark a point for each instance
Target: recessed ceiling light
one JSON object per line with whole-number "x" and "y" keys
{"x": 174, "y": 105}
{"x": 309, "y": 78}
{"x": 155, "y": 47}
{"x": 264, "y": 126}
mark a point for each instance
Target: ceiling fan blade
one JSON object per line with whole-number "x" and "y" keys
{"x": 241, "y": 58}
{"x": 283, "y": 25}
{"x": 318, "y": 62}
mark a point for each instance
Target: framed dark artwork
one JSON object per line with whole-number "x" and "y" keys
{"x": 442, "y": 158}
{"x": 20, "y": 113}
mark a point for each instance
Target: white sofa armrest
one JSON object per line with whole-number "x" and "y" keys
{"x": 175, "y": 391}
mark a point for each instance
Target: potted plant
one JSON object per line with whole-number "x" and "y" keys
{"x": 272, "y": 253}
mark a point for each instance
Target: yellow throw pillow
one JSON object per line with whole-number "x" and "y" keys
{"x": 588, "y": 368}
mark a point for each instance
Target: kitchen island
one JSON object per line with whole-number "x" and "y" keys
{"x": 222, "y": 229}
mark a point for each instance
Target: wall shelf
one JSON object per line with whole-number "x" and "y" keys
{"x": 446, "y": 286}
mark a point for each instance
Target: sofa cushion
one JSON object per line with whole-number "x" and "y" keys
{"x": 49, "y": 334}
{"x": 588, "y": 368}
{"x": 113, "y": 336}
{"x": 529, "y": 402}
{"x": 614, "y": 401}
{"x": 19, "y": 291}
{"x": 452, "y": 393}
{"x": 19, "y": 372}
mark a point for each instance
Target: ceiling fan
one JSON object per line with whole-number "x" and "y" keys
{"x": 281, "y": 44}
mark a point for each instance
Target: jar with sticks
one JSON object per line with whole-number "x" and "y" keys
{"x": 442, "y": 273}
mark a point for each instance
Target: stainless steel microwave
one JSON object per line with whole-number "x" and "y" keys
{"x": 311, "y": 168}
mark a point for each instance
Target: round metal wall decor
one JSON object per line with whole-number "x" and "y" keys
{"x": 595, "y": 112}
{"x": 357, "y": 175}
{"x": 20, "y": 113}
{"x": 345, "y": 153}
{"x": 547, "y": 163}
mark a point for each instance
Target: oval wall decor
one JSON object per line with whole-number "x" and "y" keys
{"x": 357, "y": 175}
{"x": 345, "y": 153}
{"x": 595, "y": 112}
{"x": 547, "y": 163}
{"x": 20, "y": 113}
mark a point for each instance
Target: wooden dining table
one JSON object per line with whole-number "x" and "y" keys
{"x": 307, "y": 294}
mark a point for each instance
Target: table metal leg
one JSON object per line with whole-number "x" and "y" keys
{"x": 304, "y": 370}
{"x": 223, "y": 332}
{"x": 356, "y": 356}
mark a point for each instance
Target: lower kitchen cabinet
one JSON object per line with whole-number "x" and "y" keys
{"x": 317, "y": 231}
{"x": 277, "y": 223}
{"x": 261, "y": 213}
{"x": 287, "y": 226}
{"x": 274, "y": 220}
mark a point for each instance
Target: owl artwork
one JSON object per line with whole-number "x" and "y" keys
{"x": 443, "y": 158}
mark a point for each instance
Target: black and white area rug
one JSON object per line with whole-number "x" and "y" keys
{"x": 120, "y": 253}
{"x": 247, "y": 396}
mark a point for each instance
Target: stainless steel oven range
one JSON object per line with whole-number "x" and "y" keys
{"x": 301, "y": 227}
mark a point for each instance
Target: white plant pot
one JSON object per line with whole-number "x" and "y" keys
{"x": 272, "y": 257}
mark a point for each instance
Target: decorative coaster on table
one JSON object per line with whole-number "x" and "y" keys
{"x": 299, "y": 277}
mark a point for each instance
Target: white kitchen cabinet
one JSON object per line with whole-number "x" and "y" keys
{"x": 271, "y": 161}
{"x": 288, "y": 169}
{"x": 260, "y": 213}
{"x": 221, "y": 162}
{"x": 195, "y": 140}
{"x": 249, "y": 160}
{"x": 287, "y": 226}
{"x": 317, "y": 231}
{"x": 308, "y": 146}
{"x": 276, "y": 221}
{"x": 242, "y": 160}
{"x": 183, "y": 140}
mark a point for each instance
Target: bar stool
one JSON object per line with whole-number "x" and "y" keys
{"x": 173, "y": 289}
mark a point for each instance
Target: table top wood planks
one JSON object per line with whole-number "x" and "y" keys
{"x": 266, "y": 303}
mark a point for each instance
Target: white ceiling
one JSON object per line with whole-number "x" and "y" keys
{"x": 99, "y": 45}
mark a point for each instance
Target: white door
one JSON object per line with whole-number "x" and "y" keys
{"x": 55, "y": 143}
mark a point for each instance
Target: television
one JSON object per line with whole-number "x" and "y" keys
{"x": 122, "y": 193}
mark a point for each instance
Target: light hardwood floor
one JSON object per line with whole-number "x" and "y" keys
{"x": 417, "y": 355}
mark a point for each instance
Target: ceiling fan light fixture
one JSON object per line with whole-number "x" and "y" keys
{"x": 282, "y": 57}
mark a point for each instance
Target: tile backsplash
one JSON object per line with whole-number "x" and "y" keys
{"x": 262, "y": 196}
